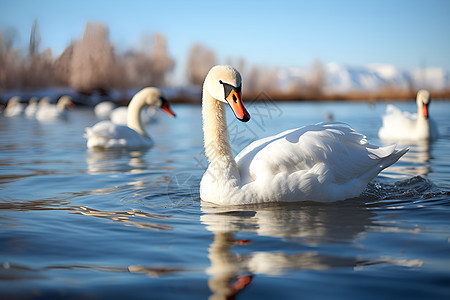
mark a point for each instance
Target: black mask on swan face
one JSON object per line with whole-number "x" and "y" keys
{"x": 232, "y": 95}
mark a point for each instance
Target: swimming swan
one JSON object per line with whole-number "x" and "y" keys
{"x": 119, "y": 115}
{"x": 103, "y": 109}
{"x": 51, "y": 112}
{"x": 403, "y": 126}
{"x": 32, "y": 108}
{"x": 107, "y": 134}
{"x": 322, "y": 162}
{"x": 14, "y": 108}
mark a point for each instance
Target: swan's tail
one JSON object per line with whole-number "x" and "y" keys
{"x": 393, "y": 157}
{"x": 386, "y": 156}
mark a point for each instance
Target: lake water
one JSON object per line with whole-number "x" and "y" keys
{"x": 81, "y": 224}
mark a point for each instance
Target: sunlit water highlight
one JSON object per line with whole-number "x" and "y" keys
{"x": 77, "y": 223}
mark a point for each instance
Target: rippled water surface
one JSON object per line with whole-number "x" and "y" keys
{"x": 81, "y": 224}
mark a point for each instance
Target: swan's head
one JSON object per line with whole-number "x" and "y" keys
{"x": 13, "y": 101}
{"x": 65, "y": 102}
{"x": 153, "y": 97}
{"x": 423, "y": 101}
{"x": 33, "y": 101}
{"x": 224, "y": 83}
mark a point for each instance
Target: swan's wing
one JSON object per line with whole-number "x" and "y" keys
{"x": 334, "y": 152}
{"x": 107, "y": 134}
{"x": 47, "y": 113}
{"x": 14, "y": 111}
{"x": 30, "y": 110}
{"x": 108, "y": 129}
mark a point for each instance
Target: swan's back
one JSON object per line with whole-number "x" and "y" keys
{"x": 397, "y": 124}
{"x": 107, "y": 135}
{"x": 103, "y": 109}
{"x": 324, "y": 162}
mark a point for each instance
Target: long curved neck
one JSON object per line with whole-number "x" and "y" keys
{"x": 61, "y": 106}
{"x": 422, "y": 129}
{"x": 215, "y": 130}
{"x": 134, "y": 117}
{"x": 10, "y": 105}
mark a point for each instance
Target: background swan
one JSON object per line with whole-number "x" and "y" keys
{"x": 49, "y": 112}
{"x": 44, "y": 101}
{"x": 322, "y": 162}
{"x": 107, "y": 134}
{"x": 14, "y": 108}
{"x": 103, "y": 109}
{"x": 404, "y": 126}
{"x": 32, "y": 107}
{"x": 120, "y": 115}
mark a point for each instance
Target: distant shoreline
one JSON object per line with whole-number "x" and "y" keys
{"x": 192, "y": 95}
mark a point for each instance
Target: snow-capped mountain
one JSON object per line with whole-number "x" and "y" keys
{"x": 340, "y": 79}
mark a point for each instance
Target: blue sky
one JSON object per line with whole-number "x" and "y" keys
{"x": 406, "y": 34}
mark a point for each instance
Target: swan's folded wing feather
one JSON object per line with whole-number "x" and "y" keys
{"x": 334, "y": 151}
{"x": 108, "y": 129}
{"x": 107, "y": 134}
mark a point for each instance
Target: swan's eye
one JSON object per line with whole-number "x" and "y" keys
{"x": 228, "y": 88}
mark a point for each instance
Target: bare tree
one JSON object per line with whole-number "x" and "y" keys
{"x": 62, "y": 67}
{"x": 93, "y": 66}
{"x": 38, "y": 65}
{"x": 150, "y": 65}
{"x": 35, "y": 39}
{"x": 39, "y": 70}
{"x": 11, "y": 62}
{"x": 317, "y": 80}
{"x": 200, "y": 60}
{"x": 161, "y": 61}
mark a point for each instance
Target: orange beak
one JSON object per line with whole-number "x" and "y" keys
{"x": 235, "y": 102}
{"x": 166, "y": 107}
{"x": 425, "y": 111}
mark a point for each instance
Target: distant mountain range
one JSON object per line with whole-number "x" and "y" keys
{"x": 372, "y": 77}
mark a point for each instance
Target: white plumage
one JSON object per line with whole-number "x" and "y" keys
{"x": 103, "y": 109}
{"x": 119, "y": 115}
{"x": 14, "y": 108}
{"x": 32, "y": 108}
{"x": 107, "y": 134}
{"x": 405, "y": 126}
{"x": 49, "y": 112}
{"x": 322, "y": 162}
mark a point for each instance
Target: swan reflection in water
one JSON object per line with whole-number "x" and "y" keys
{"x": 308, "y": 224}
{"x": 122, "y": 160}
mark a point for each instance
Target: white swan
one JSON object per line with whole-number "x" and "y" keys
{"x": 107, "y": 134}
{"x": 48, "y": 112}
{"x": 14, "y": 108}
{"x": 404, "y": 126}
{"x": 119, "y": 115}
{"x": 44, "y": 101}
{"x": 32, "y": 108}
{"x": 322, "y": 162}
{"x": 103, "y": 109}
